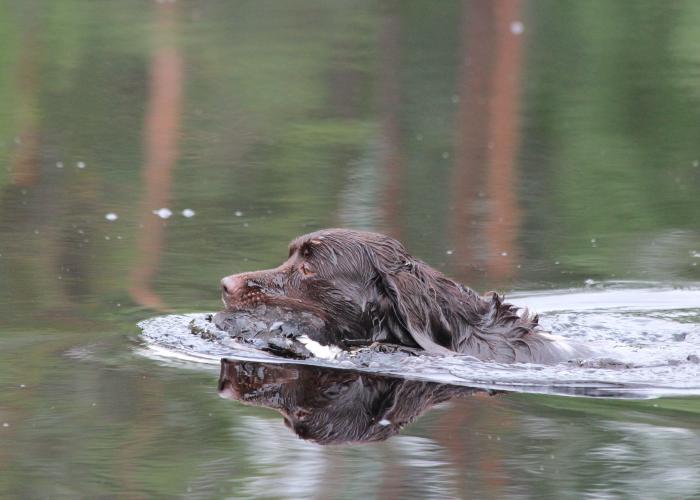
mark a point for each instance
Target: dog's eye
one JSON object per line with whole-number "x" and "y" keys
{"x": 306, "y": 269}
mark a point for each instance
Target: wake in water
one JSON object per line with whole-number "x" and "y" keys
{"x": 647, "y": 340}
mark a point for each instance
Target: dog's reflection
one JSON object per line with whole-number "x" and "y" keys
{"x": 333, "y": 406}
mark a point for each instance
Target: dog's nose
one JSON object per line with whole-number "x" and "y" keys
{"x": 231, "y": 284}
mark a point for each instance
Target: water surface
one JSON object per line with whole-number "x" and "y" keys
{"x": 517, "y": 146}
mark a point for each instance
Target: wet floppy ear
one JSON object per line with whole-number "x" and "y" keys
{"x": 410, "y": 305}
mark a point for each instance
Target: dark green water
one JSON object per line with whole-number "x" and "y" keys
{"x": 513, "y": 145}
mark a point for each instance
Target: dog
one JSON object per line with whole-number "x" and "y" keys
{"x": 367, "y": 288}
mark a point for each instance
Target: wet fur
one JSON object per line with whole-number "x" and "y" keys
{"x": 367, "y": 287}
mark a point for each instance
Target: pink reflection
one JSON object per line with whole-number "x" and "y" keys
{"x": 162, "y": 126}
{"x": 486, "y": 215}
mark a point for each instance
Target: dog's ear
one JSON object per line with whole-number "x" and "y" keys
{"x": 412, "y": 308}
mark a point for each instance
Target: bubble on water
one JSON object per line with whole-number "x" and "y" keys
{"x": 111, "y": 216}
{"x": 556, "y": 262}
{"x": 5, "y": 424}
{"x": 238, "y": 213}
{"x": 163, "y": 213}
{"x": 695, "y": 254}
{"x": 449, "y": 252}
{"x": 504, "y": 254}
{"x": 81, "y": 164}
{"x": 455, "y": 98}
{"x": 589, "y": 282}
{"x": 188, "y": 212}
{"x": 59, "y": 164}
{"x": 445, "y": 155}
{"x": 696, "y": 163}
{"x": 517, "y": 27}
{"x": 419, "y": 137}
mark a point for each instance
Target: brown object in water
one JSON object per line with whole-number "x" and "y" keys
{"x": 367, "y": 287}
{"x": 331, "y": 406}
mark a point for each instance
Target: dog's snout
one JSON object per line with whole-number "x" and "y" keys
{"x": 231, "y": 284}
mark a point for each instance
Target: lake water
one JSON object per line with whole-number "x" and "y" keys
{"x": 547, "y": 150}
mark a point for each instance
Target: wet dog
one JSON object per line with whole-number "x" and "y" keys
{"x": 366, "y": 288}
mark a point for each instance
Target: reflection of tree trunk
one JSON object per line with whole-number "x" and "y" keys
{"x": 471, "y": 137}
{"x": 487, "y": 137}
{"x": 391, "y": 160}
{"x": 161, "y": 130}
{"x": 475, "y": 451}
{"x": 25, "y": 164}
{"x": 504, "y": 216}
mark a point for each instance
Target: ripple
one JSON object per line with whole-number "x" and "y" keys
{"x": 648, "y": 337}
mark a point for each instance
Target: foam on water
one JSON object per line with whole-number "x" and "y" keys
{"x": 647, "y": 337}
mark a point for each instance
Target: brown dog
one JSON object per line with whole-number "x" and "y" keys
{"x": 366, "y": 287}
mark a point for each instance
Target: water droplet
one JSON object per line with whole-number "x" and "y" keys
{"x": 111, "y": 216}
{"x": 5, "y": 424}
{"x": 81, "y": 164}
{"x": 449, "y": 252}
{"x": 188, "y": 212}
{"x": 504, "y": 254}
{"x": 517, "y": 27}
{"x": 163, "y": 213}
{"x": 238, "y": 213}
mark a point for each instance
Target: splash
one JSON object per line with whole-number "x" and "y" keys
{"x": 647, "y": 337}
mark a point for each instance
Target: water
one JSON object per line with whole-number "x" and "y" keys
{"x": 544, "y": 149}
{"x": 646, "y": 340}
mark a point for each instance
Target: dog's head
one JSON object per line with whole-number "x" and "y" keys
{"x": 357, "y": 280}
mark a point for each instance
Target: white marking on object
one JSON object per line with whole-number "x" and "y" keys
{"x": 318, "y": 350}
